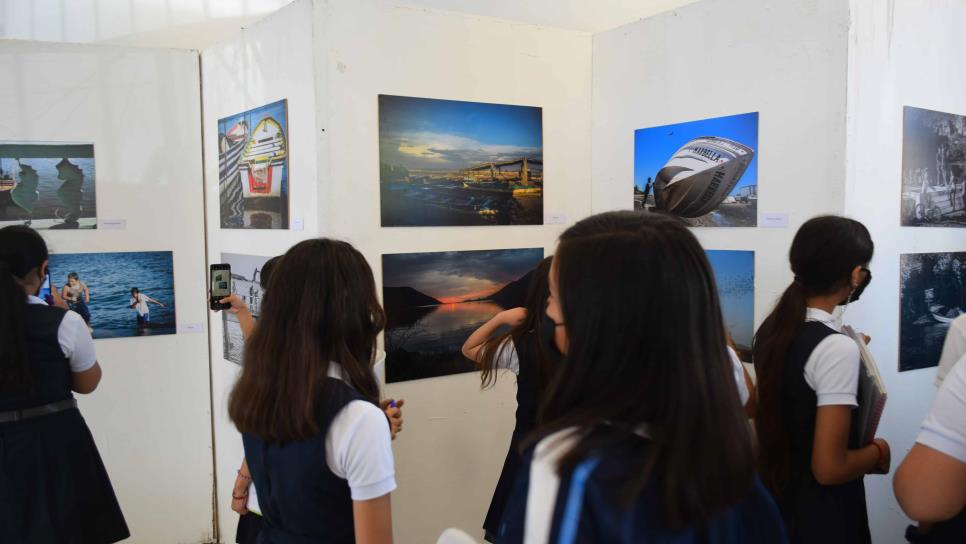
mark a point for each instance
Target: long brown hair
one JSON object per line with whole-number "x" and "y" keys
{"x": 527, "y": 332}
{"x": 320, "y": 307}
{"x": 824, "y": 252}
{"x": 646, "y": 348}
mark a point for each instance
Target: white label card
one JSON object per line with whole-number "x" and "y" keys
{"x": 113, "y": 224}
{"x": 555, "y": 218}
{"x": 774, "y": 220}
{"x": 189, "y": 328}
{"x": 298, "y": 223}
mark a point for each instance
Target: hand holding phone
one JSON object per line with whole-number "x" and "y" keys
{"x": 220, "y": 286}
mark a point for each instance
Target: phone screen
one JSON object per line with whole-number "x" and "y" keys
{"x": 220, "y": 283}
{"x": 44, "y": 293}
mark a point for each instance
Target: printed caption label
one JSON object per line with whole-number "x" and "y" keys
{"x": 555, "y": 218}
{"x": 113, "y": 224}
{"x": 298, "y": 223}
{"x": 190, "y": 328}
{"x": 774, "y": 220}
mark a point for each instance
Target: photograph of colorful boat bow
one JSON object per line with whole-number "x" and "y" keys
{"x": 253, "y": 168}
{"x": 47, "y": 185}
{"x": 705, "y": 171}
{"x": 453, "y": 163}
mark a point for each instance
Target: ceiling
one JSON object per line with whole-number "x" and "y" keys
{"x": 584, "y": 15}
{"x": 195, "y": 24}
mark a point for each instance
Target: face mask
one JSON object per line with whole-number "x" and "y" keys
{"x": 857, "y": 292}
{"x": 547, "y": 330}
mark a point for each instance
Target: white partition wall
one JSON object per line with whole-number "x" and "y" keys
{"x": 785, "y": 60}
{"x": 140, "y": 108}
{"x": 901, "y": 54}
{"x": 267, "y": 62}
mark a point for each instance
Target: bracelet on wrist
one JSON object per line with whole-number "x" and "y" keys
{"x": 881, "y": 451}
{"x": 239, "y": 497}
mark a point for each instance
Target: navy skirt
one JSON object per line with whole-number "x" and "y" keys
{"x": 504, "y": 486}
{"x": 53, "y": 485}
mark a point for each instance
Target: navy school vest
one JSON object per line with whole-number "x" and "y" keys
{"x": 302, "y": 501}
{"x": 49, "y": 367}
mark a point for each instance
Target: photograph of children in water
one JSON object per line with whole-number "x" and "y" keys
{"x": 118, "y": 294}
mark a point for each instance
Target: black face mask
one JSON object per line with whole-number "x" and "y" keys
{"x": 547, "y": 330}
{"x": 857, "y": 292}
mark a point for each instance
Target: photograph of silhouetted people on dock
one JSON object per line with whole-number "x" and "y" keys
{"x": 253, "y": 168}
{"x": 705, "y": 171}
{"x": 47, "y": 185}
{"x": 933, "y": 168}
{"x": 452, "y": 163}
{"x": 932, "y": 295}
{"x": 434, "y": 301}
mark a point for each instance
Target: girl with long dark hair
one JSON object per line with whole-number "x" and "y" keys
{"x": 526, "y": 351}
{"x": 306, "y": 403}
{"x": 53, "y": 485}
{"x": 808, "y": 374}
{"x": 643, "y": 437}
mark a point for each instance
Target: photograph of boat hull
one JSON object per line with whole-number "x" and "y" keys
{"x": 703, "y": 171}
{"x": 933, "y": 168}
{"x": 932, "y": 294}
{"x": 434, "y": 301}
{"x": 453, "y": 163}
{"x": 103, "y": 291}
{"x": 253, "y": 168}
{"x": 47, "y": 185}
{"x": 246, "y": 283}
{"x": 734, "y": 274}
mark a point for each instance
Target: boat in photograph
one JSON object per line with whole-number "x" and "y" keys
{"x": 263, "y": 161}
{"x": 700, "y": 175}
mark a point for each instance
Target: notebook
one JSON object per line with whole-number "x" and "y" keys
{"x": 872, "y": 391}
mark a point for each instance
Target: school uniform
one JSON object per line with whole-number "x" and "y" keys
{"x": 515, "y": 358}
{"x": 821, "y": 369}
{"x": 944, "y": 430}
{"x": 954, "y": 348}
{"x": 53, "y": 485}
{"x": 306, "y": 487}
{"x": 585, "y": 506}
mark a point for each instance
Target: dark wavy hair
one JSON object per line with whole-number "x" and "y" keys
{"x": 320, "y": 306}
{"x": 647, "y": 350}
{"x": 823, "y": 255}
{"x": 526, "y": 333}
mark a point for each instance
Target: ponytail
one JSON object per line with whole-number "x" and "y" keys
{"x": 769, "y": 349}
{"x": 22, "y": 251}
{"x": 14, "y": 373}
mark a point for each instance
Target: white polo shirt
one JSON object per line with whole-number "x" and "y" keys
{"x": 507, "y": 358}
{"x": 954, "y": 348}
{"x": 832, "y": 369}
{"x": 74, "y": 338}
{"x": 944, "y": 429}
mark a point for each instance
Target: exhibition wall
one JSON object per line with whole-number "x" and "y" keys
{"x": 899, "y": 55}
{"x": 735, "y": 60}
{"x": 140, "y": 108}
{"x": 268, "y": 62}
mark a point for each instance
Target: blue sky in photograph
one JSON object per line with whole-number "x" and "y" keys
{"x": 431, "y": 134}
{"x": 734, "y": 273}
{"x": 276, "y": 110}
{"x": 654, "y": 146}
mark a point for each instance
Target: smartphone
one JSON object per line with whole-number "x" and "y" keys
{"x": 44, "y": 293}
{"x": 220, "y": 285}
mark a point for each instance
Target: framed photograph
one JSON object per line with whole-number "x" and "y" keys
{"x": 703, "y": 171}
{"x": 932, "y": 294}
{"x": 933, "y": 168}
{"x": 246, "y": 278}
{"x": 434, "y": 301}
{"x": 253, "y": 168}
{"x": 452, "y": 163}
{"x": 118, "y": 294}
{"x": 48, "y": 185}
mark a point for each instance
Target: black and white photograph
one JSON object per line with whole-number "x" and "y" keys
{"x": 933, "y": 168}
{"x": 933, "y": 293}
{"x": 246, "y": 277}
